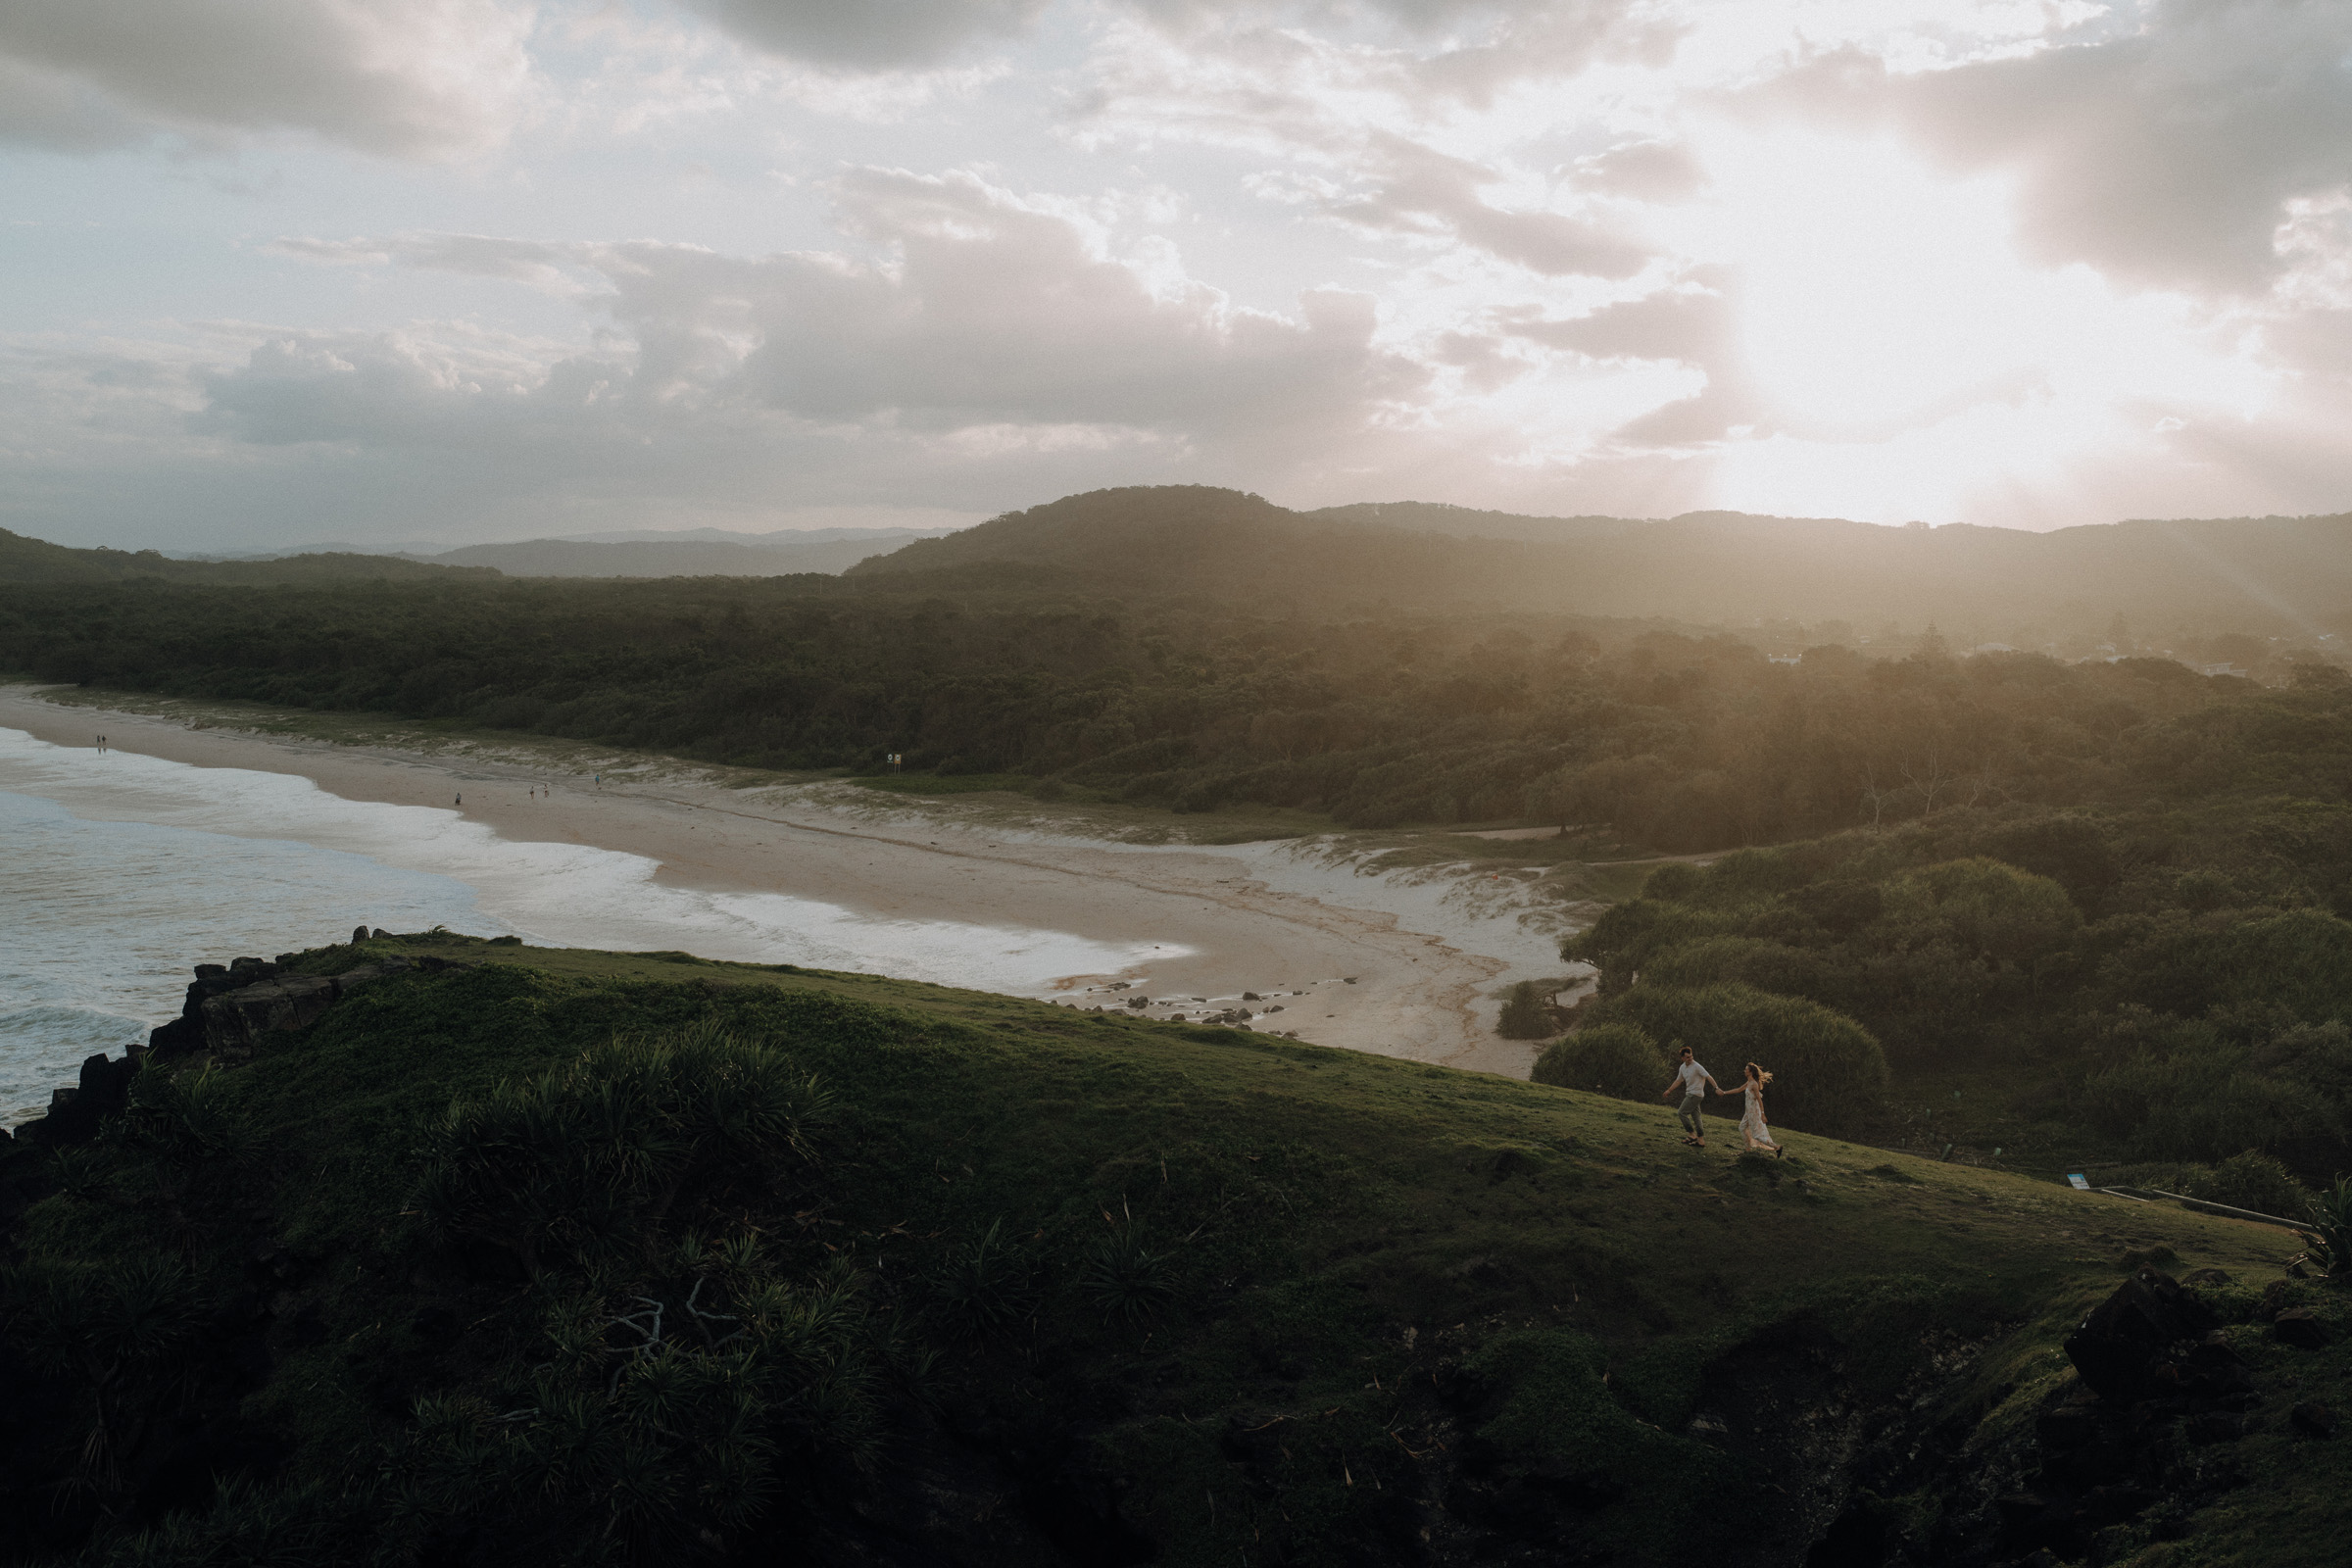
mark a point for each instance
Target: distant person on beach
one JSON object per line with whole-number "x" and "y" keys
{"x": 1751, "y": 1122}
{"x": 460, "y": 800}
{"x": 1692, "y": 1082}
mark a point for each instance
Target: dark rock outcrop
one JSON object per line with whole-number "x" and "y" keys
{"x": 230, "y": 1007}
{"x": 235, "y": 1021}
{"x": 228, "y": 1010}
{"x": 76, "y": 1111}
{"x": 2141, "y": 1343}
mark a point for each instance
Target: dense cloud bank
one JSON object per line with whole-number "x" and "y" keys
{"x": 1960, "y": 263}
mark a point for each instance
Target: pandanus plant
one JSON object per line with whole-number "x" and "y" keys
{"x": 591, "y": 1159}
{"x": 2328, "y": 1243}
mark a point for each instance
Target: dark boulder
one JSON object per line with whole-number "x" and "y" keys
{"x": 2135, "y": 1345}
{"x": 2299, "y": 1327}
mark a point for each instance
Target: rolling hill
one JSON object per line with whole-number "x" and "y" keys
{"x": 2289, "y": 574}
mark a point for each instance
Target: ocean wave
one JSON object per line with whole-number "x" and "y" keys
{"x": 126, "y": 869}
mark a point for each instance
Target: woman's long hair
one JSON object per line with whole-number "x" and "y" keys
{"x": 1759, "y": 1073}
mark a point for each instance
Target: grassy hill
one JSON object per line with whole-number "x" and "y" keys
{"x": 1018, "y": 1283}
{"x": 35, "y": 561}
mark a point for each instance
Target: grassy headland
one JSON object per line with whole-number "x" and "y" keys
{"x": 1020, "y": 1284}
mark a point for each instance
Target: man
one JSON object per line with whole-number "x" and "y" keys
{"x": 1693, "y": 1080}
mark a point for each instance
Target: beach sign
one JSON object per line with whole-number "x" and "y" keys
{"x": 2078, "y": 1181}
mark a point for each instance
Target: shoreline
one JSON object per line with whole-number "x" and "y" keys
{"x": 1398, "y": 963}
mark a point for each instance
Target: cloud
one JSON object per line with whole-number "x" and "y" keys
{"x": 979, "y": 310}
{"x": 1642, "y": 171}
{"x": 2165, "y": 157}
{"x": 1424, "y": 192}
{"x": 1694, "y": 323}
{"x": 870, "y": 34}
{"x": 986, "y": 349}
{"x": 1470, "y": 45}
{"x": 406, "y": 78}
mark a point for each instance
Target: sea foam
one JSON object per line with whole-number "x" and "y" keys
{"x": 120, "y": 870}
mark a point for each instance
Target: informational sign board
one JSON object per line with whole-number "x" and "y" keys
{"x": 2078, "y": 1181}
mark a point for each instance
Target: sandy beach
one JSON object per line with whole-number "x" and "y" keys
{"x": 1403, "y": 963}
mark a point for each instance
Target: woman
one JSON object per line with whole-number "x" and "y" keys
{"x": 1751, "y": 1124}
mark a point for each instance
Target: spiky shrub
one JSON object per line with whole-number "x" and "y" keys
{"x": 2329, "y": 1242}
{"x": 590, "y": 1159}
{"x": 122, "y": 1330}
{"x": 85, "y": 1175}
{"x": 251, "y": 1527}
{"x": 1125, "y": 1277}
{"x": 983, "y": 1284}
{"x": 682, "y": 1384}
{"x": 181, "y": 1119}
{"x": 178, "y": 1133}
{"x": 657, "y": 1426}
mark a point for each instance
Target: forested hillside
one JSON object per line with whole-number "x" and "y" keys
{"x": 2266, "y": 576}
{"x": 1686, "y": 743}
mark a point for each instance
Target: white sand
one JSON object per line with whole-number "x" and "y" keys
{"x": 1426, "y": 949}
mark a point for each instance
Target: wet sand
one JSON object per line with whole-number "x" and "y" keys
{"x": 1401, "y": 964}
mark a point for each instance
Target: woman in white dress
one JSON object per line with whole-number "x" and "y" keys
{"x": 1751, "y": 1122}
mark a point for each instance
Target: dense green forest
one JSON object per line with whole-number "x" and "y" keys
{"x": 1685, "y": 742}
{"x": 2170, "y": 987}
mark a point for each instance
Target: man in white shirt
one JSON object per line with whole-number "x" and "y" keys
{"x": 1692, "y": 1082}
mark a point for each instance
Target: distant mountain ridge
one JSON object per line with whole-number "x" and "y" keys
{"x": 1977, "y": 583}
{"x": 782, "y": 553}
{"x": 1468, "y": 523}
{"x": 36, "y": 561}
{"x": 2244, "y": 572}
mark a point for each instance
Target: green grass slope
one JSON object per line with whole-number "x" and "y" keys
{"x": 1127, "y": 1293}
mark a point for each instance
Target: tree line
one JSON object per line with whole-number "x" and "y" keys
{"x": 1685, "y": 741}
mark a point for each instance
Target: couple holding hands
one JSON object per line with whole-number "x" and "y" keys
{"x": 1693, "y": 1080}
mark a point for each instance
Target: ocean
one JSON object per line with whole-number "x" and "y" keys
{"x": 118, "y": 873}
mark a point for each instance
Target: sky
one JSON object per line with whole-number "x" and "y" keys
{"x": 278, "y": 271}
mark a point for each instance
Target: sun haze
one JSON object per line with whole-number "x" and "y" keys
{"x": 463, "y": 271}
